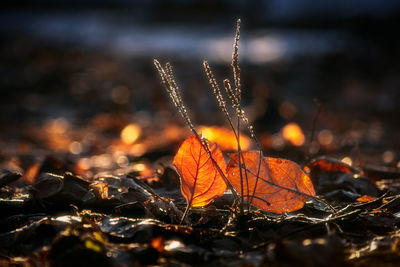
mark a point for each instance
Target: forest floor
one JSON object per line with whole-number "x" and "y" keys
{"x": 87, "y": 140}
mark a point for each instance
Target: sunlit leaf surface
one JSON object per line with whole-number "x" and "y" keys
{"x": 200, "y": 179}
{"x": 365, "y": 198}
{"x": 281, "y": 187}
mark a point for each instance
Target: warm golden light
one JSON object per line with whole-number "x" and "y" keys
{"x": 347, "y": 160}
{"x": 293, "y": 134}
{"x": 173, "y": 244}
{"x": 143, "y": 169}
{"x": 130, "y": 133}
{"x": 225, "y": 138}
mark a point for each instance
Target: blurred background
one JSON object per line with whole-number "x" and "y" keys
{"x": 77, "y": 81}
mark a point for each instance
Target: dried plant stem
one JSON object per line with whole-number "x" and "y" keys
{"x": 170, "y": 84}
{"x": 217, "y": 91}
{"x": 185, "y": 213}
{"x": 235, "y": 100}
{"x": 242, "y": 165}
{"x": 235, "y": 104}
{"x": 236, "y": 132}
{"x": 234, "y": 94}
{"x": 235, "y": 61}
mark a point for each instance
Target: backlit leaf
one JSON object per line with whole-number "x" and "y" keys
{"x": 200, "y": 179}
{"x": 326, "y": 164}
{"x": 365, "y": 198}
{"x": 281, "y": 187}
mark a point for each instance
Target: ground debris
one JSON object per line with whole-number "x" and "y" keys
{"x": 119, "y": 220}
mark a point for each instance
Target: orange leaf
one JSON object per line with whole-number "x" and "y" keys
{"x": 200, "y": 179}
{"x": 281, "y": 187}
{"x": 329, "y": 165}
{"x": 365, "y": 198}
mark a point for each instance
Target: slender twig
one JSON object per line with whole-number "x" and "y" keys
{"x": 217, "y": 92}
{"x": 235, "y": 99}
{"x": 234, "y": 95}
{"x": 235, "y": 61}
{"x": 168, "y": 80}
{"x": 236, "y": 78}
{"x": 222, "y": 106}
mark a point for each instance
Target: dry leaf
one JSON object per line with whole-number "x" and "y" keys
{"x": 200, "y": 179}
{"x": 326, "y": 164}
{"x": 282, "y": 186}
{"x": 365, "y": 198}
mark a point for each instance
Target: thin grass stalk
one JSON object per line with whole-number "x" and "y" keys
{"x": 236, "y": 78}
{"x": 236, "y": 105}
{"x": 235, "y": 61}
{"x": 235, "y": 99}
{"x": 240, "y": 113}
{"x": 217, "y": 91}
{"x": 173, "y": 91}
{"x": 222, "y": 106}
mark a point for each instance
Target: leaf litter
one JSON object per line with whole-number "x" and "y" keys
{"x": 52, "y": 216}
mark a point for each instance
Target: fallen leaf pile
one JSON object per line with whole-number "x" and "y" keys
{"x": 62, "y": 219}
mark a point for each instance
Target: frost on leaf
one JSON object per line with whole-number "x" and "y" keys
{"x": 200, "y": 179}
{"x": 281, "y": 185}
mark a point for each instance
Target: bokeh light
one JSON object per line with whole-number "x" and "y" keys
{"x": 130, "y": 133}
{"x": 292, "y": 133}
